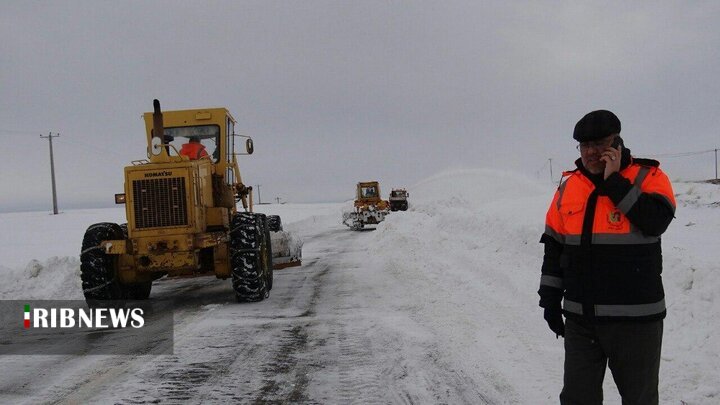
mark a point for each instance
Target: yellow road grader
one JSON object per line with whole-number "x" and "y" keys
{"x": 182, "y": 216}
{"x": 368, "y": 209}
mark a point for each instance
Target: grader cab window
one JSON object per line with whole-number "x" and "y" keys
{"x": 207, "y": 135}
{"x": 369, "y": 192}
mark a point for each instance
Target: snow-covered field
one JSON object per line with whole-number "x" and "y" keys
{"x": 441, "y": 301}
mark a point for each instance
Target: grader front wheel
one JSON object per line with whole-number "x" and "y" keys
{"x": 98, "y": 270}
{"x": 249, "y": 277}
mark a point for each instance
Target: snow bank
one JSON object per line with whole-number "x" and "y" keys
{"x": 53, "y": 278}
{"x": 40, "y": 252}
{"x": 469, "y": 243}
{"x": 472, "y": 236}
{"x": 691, "y": 346}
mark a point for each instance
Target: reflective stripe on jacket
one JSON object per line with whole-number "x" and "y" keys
{"x": 602, "y": 243}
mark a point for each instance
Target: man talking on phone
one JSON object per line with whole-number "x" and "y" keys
{"x": 602, "y": 266}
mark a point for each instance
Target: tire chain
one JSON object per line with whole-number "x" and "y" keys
{"x": 96, "y": 270}
{"x": 247, "y": 277}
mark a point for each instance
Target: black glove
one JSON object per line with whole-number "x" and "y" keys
{"x": 555, "y": 321}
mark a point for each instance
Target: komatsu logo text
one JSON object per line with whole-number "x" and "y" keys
{"x": 159, "y": 174}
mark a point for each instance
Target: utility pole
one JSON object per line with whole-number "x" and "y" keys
{"x": 258, "y": 187}
{"x": 716, "y": 164}
{"x": 52, "y": 170}
{"x": 551, "y": 176}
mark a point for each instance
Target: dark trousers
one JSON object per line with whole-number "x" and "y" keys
{"x": 630, "y": 349}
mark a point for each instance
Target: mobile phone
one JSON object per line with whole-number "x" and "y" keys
{"x": 617, "y": 142}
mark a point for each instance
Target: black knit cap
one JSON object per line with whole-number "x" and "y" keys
{"x": 596, "y": 125}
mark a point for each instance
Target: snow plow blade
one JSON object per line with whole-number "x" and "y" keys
{"x": 286, "y": 250}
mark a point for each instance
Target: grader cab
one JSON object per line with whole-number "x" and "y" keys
{"x": 182, "y": 216}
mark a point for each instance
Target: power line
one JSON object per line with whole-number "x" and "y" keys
{"x": 678, "y": 154}
{"x": 688, "y": 154}
{"x": 543, "y": 166}
{"x": 538, "y": 171}
{"x": 91, "y": 147}
{"x": 18, "y": 131}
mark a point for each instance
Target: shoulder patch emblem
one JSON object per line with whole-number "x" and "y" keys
{"x": 614, "y": 216}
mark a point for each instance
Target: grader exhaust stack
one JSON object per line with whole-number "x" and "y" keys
{"x": 158, "y": 129}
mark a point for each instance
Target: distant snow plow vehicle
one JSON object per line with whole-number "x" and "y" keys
{"x": 182, "y": 218}
{"x": 398, "y": 199}
{"x": 368, "y": 207}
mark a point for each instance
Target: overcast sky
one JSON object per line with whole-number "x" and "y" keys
{"x": 336, "y": 92}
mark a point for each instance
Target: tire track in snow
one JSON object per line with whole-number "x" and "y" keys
{"x": 358, "y": 378}
{"x": 257, "y": 361}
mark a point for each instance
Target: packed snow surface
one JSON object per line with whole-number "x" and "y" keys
{"x": 437, "y": 305}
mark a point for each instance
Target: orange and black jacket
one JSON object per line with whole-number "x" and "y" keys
{"x": 602, "y": 243}
{"x": 193, "y": 150}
